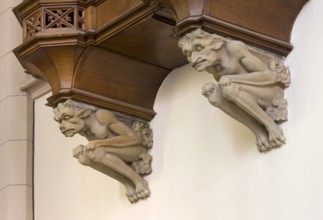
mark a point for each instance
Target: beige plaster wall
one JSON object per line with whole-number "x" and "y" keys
{"x": 206, "y": 165}
{"x": 15, "y": 124}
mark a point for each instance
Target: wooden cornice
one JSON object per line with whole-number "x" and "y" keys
{"x": 214, "y": 25}
{"x": 115, "y": 54}
{"x": 264, "y": 24}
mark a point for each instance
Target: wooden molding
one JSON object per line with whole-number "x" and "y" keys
{"x": 100, "y": 101}
{"x": 232, "y": 31}
{"x": 115, "y": 54}
{"x": 258, "y": 23}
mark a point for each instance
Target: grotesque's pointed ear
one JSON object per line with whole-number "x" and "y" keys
{"x": 84, "y": 113}
{"x": 217, "y": 43}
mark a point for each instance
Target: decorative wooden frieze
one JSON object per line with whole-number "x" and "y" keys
{"x": 54, "y": 18}
{"x": 32, "y": 24}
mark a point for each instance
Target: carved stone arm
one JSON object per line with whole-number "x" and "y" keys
{"x": 258, "y": 75}
{"x": 118, "y": 141}
{"x": 265, "y": 78}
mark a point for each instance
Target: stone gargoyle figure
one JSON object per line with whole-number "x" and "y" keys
{"x": 248, "y": 89}
{"x": 114, "y": 148}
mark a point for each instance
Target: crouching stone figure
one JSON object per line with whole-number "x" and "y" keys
{"x": 248, "y": 89}
{"x": 114, "y": 148}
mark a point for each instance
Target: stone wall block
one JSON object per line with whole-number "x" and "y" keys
{"x": 15, "y": 163}
{"x": 11, "y": 32}
{"x": 15, "y": 203}
{"x": 11, "y": 74}
{"x": 16, "y": 119}
{"x": 8, "y": 5}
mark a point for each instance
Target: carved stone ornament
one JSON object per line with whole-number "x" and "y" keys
{"x": 115, "y": 149}
{"x": 247, "y": 89}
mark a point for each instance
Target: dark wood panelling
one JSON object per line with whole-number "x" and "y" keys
{"x": 225, "y": 29}
{"x": 273, "y": 18}
{"x": 118, "y": 77}
{"x": 108, "y": 11}
{"x": 261, "y": 23}
{"x": 151, "y": 41}
{"x": 120, "y": 55}
{"x": 100, "y": 101}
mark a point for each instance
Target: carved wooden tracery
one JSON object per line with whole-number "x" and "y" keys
{"x": 51, "y": 18}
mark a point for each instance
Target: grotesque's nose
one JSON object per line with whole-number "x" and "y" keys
{"x": 62, "y": 126}
{"x": 194, "y": 57}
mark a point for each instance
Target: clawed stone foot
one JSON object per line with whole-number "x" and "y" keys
{"x": 141, "y": 192}
{"x": 79, "y": 154}
{"x": 77, "y": 151}
{"x": 267, "y": 142}
{"x": 263, "y": 144}
{"x": 131, "y": 194}
{"x": 276, "y": 137}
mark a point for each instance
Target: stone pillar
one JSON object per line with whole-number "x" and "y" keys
{"x": 15, "y": 124}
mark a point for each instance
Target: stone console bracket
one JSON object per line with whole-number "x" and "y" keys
{"x": 114, "y": 54}
{"x": 114, "y": 148}
{"x": 246, "y": 88}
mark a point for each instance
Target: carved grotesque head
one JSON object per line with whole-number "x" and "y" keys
{"x": 71, "y": 117}
{"x": 201, "y": 49}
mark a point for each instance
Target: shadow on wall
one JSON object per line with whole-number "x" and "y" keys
{"x": 185, "y": 119}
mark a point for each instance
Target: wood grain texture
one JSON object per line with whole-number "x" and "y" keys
{"x": 118, "y": 77}
{"x": 274, "y": 18}
{"x": 261, "y": 23}
{"x": 125, "y": 48}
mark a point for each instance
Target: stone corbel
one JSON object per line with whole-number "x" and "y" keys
{"x": 104, "y": 59}
{"x": 246, "y": 88}
{"x": 118, "y": 145}
{"x": 100, "y": 88}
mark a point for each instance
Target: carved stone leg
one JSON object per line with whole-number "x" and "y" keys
{"x": 85, "y": 160}
{"x": 114, "y": 148}
{"x": 111, "y": 161}
{"x": 129, "y": 186}
{"x": 235, "y": 93}
{"x": 113, "y": 166}
{"x": 214, "y": 94}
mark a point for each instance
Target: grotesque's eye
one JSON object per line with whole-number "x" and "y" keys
{"x": 198, "y": 47}
{"x": 58, "y": 120}
{"x": 187, "y": 53}
{"x": 67, "y": 117}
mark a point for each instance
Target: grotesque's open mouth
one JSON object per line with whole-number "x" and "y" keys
{"x": 69, "y": 132}
{"x": 198, "y": 62}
